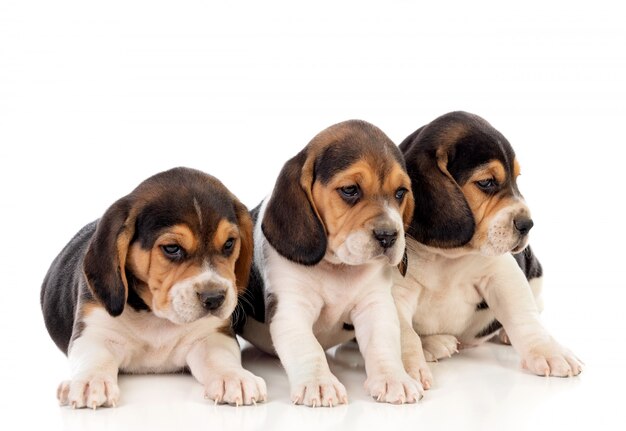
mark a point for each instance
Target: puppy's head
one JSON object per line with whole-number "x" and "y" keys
{"x": 180, "y": 241}
{"x": 345, "y": 197}
{"x": 463, "y": 174}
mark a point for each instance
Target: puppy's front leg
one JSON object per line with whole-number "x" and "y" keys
{"x": 509, "y": 296}
{"x": 413, "y": 356}
{"x": 215, "y": 361}
{"x": 311, "y": 381}
{"x": 378, "y": 333}
{"x": 94, "y": 374}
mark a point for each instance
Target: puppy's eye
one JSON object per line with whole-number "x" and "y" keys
{"x": 487, "y": 185}
{"x": 173, "y": 251}
{"x": 350, "y": 194}
{"x": 228, "y": 246}
{"x": 400, "y": 193}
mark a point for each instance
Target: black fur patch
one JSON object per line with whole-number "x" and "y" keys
{"x": 134, "y": 300}
{"x": 62, "y": 286}
{"x": 403, "y": 266}
{"x": 251, "y": 302}
{"x": 529, "y": 264}
{"x": 290, "y": 223}
{"x": 482, "y": 306}
{"x": 363, "y": 141}
{"x": 348, "y": 327}
{"x": 489, "y": 329}
{"x": 166, "y": 210}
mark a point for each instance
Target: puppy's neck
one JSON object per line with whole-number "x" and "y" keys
{"x": 332, "y": 264}
{"x": 427, "y": 252}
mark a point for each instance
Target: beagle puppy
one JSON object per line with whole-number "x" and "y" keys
{"x": 150, "y": 288}
{"x": 471, "y": 271}
{"x": 327, "y": 241}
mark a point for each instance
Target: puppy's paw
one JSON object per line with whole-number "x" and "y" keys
{"x": 91, "y": 392}
{"x": 324, "y": 390}
{"x": 396, "y": 388}
{"x": 419, "y": 371}
{"x": 439, "y": 346}
{"x": 551, "y": 359}
{"x": 236, "y": 387}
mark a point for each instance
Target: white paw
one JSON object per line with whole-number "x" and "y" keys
{"x": 396, "y": 388}
{"x": 91, "y": 392}
{"x": 236, "y": 387}
{"x": 551, "y": 359}
{"x": 420, "y": 372}
{"x": 439, "y": 346}
{"x": 324, "y": 390}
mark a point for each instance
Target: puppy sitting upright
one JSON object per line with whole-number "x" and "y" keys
{"x": 150, "y": 288}
{"x": 327, "y": 241}
{"x": 463, "y": 282}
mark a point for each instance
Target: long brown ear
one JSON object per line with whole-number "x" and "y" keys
{"x": 291, "y": 223}
{"x": 244, "y": 261}
{"x": 105, "y": 260}
{"x": 409, "y": 208}
{"x": 442, "y": 217}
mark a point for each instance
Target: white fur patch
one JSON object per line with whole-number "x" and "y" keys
{"x": 502, "y": 236}
{"x": 185, "y": 307}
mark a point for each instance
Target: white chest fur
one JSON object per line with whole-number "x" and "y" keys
{"x": 445, "y": 291}
{"x": 330, "y": 291}
{"x": 144, "y": 343}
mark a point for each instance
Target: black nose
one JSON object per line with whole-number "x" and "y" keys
{"x": 211, "y": 300}
{"x": 523, "y": 225}
{"x": 386, "y": 238}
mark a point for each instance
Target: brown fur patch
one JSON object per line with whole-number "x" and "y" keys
{"x": 516, "y": 168}
{"x": 482, "y": 205}
{"x": 341, "y": 218}
{"x": 156, "y": 272}
{"x": 225, "y": 230}
{"x": 394, "y": 180}
{"x": 451, "y": 134}
{"x": 246, "y": 248}
{"x": 226, "y": 330}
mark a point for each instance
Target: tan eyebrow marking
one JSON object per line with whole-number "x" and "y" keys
{"x": 493, "y": 168}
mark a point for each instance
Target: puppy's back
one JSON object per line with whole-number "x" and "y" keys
{"x": 61, "y": 287}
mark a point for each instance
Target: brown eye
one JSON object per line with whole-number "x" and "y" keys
{"x": 487, "y": 185}
{"x": 173, "y": 251}
{"x": 228, "y": 246}
{"x": 400, "y": 193}
{"x": 350, "y": 194}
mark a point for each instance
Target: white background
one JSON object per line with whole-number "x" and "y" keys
{"x": 97, "y": 96}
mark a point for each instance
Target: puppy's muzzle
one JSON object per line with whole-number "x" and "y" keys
{"x": 523, "y": 225}
{"x": 386, "y": 237}
{"x": 212, "y": 300}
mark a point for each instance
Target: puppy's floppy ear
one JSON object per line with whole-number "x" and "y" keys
{"x": 291, "y": 222}
{"x": 244, "y": 261}
{"x": 105, "y": 260}
{"x": 442, "y": 216}
{"x": 409, "y": 208}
